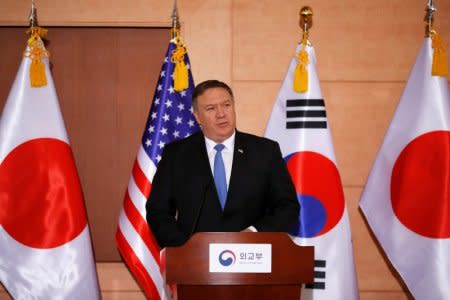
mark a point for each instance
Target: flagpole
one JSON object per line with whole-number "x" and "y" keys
{"x": 306, "y": 144}
{"x": 181, "y": 78}
{"x": 306, "y": 21}
{"x": 392, "y": 200}
{"x": 439, "y": 63}
{"x": 33, "y": 15}
{"x": 301, "y": 77}
{"x": 170, "y": 118}
{"x": 429, "y": 19}
{"x": 46, "y": 242}
{"x": 36, "y": 49}
{"x": 175, "y": 20}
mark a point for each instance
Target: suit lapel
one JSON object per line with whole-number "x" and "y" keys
{"x": 203, "y": 169}
{"x": 200, "y": 158}
{"x": 237, "y": 170}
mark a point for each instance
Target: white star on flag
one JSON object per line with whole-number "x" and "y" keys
{"x": 134, "y": 238}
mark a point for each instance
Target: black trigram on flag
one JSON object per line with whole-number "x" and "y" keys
{"x": 305, "y": 113}
{"x": 319, "y": 275}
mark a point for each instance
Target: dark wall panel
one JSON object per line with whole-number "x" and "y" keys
{"x": 105, "y": 79}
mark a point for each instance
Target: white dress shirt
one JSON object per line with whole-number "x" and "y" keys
{"x": 227, "y": 154}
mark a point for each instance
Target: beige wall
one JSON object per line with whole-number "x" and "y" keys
{"x": 365, "y": 50}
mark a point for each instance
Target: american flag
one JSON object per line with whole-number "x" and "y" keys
{"x": 171, "y": 118}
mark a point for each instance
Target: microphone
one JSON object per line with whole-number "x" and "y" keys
{"x": 197, "y": 217}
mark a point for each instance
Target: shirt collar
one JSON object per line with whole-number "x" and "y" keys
{"x": 228, "y": 143}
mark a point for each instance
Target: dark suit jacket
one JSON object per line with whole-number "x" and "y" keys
{"x": 184, "y": 200}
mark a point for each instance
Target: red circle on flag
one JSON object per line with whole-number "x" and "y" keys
{"x": 315, "y": 175}
{"x": 40, "y": 195}
{"x": 420, "y": 185}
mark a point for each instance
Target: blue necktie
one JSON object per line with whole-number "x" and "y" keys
{"x": 219, "y": 175}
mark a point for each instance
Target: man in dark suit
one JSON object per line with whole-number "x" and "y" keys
{"x": 220, "y": 179}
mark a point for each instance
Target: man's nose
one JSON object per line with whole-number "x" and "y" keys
{"x": 220, "y": 111}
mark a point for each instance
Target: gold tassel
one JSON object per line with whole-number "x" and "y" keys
{"x": 439, "y": 67}
{"x": 180, "y": 78}
{"x": 301, "y": 71}
{"x": 37, "y": 73}
{"x": 36, "y": 51}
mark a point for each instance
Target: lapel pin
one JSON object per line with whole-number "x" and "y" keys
{"x": 241, "y": 151}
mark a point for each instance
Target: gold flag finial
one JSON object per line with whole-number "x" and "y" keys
{"x": 301, "y": 80}
{"x": 33, "y": 16}
{"x": 439, "y": 65}
{"x": 430, "y": 9}
{"x": 306, "y": 21}
{"x": 36, "y": 50}
{"x": 175, "y": 20}
{"x": 180, "y": 73}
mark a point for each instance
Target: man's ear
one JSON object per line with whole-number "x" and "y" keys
{"x": 196, "y": 117}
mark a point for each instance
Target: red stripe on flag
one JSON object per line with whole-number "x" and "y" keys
{"x": 141, "y": 226}
{"x": 136, "y": 267}
{"x": 141, "y": 180}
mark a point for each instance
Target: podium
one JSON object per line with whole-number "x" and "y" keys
{"x": 188, "y": 266}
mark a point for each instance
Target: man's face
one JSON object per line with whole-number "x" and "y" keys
{"x": 215, "y": 114}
